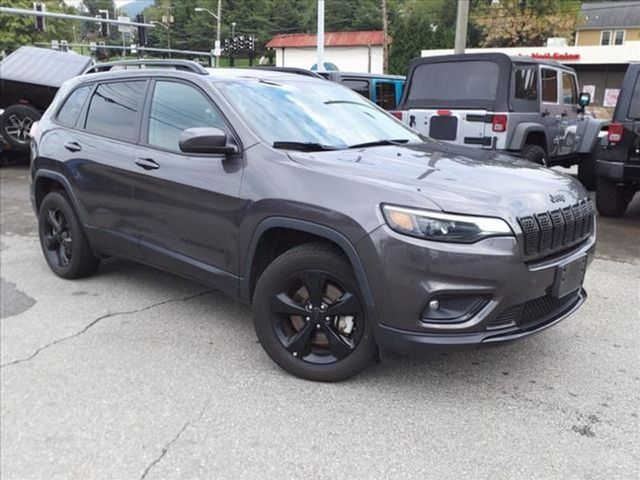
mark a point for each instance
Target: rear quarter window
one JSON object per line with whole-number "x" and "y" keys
{"x": 72, "y": 106}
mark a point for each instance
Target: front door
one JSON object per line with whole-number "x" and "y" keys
{"x": 187, "y": 205}
{"x": 574, "y": 124}
{"x": 551, "y": 108}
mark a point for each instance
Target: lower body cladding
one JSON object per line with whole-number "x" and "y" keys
{"x": 432, "y": 295}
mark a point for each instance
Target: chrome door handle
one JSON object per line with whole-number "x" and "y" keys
{"x": 147, "y": 163}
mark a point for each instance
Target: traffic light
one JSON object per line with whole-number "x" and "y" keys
{"x": 40, "y": 23}
{"x": 104, "y": 27}
{"x": 142, "y": 31}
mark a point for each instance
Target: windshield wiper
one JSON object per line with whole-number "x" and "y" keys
{"x": 379, "y": 143}
{"x": 303, "y": 146}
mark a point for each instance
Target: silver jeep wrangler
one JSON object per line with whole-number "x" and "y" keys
{"x": 529, "y": 108}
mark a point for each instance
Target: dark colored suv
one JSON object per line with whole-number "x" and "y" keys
{"x": 618, "y": 164}
{"x": 346, "y": 230}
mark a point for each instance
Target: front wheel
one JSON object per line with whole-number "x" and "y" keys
{"x": 309, "y": 316}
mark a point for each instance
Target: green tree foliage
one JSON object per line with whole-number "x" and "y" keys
{"x": 19, "y": 30}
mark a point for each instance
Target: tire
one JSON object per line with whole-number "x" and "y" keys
{"x": 611, "y": 199}
{"x": 15, "y": 124}
{"x": 328, "y": 335}
{"x": 535, "y": 154}
{"x": 64, "y": 244}
{"x": 587, "y": 171}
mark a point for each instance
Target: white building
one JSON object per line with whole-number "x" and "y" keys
{"x": 348, "y": 51}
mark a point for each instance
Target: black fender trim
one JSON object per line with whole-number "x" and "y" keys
{"x": 57, "y": 176}
{"x": 315, "y": 229}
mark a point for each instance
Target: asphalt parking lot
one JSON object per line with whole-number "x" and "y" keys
{"x": 134, "y": 373}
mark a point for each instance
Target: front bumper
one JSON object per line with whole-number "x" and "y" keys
{"x": 402, "y": 341}
{"x": 405, "y": 274}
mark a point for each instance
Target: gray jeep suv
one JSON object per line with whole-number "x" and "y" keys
{"x": 343, "y": 228}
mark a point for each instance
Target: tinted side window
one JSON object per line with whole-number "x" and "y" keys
{"x": 569, "y": 89}
{"x": 634, "y": 107}
{"x": 526, "y": 83}
{"x": 386, "y": 95}
{"x": 360, "y": 86}
{"x": 549, "y": 86}
{"x": 68, "y": 114}
{"x": 176, "y": 107}
{"x": 114, "y": 108}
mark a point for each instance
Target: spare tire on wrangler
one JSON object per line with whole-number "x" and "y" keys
{"x": 15, "y": 124}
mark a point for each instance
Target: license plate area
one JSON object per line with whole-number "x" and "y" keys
{"x": 443, "y": 127}
{"x": 569, "y": 277}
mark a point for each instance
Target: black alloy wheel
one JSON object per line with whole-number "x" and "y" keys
{"x": 64, "y": 244}
{"x": 57, "y": 240}
{"x": 316, "y": 318}
{"x": 309, "y": 316}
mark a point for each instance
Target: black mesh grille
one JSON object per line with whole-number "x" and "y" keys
{"x": 554, "y": 231}
{"x": 528, "y": 314}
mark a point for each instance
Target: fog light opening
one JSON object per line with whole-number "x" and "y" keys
{"x": 453, "y": 308}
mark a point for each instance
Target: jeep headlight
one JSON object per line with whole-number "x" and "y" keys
{"x": 443, "y": 227}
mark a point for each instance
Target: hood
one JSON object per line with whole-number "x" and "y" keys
{"x": 457, "y": 179}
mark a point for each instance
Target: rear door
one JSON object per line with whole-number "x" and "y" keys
{"x": 385, "y": 93}
{"x": 99, "y": 160}
{"x": 450, "y": 102}
{"x": 187, "y": 205}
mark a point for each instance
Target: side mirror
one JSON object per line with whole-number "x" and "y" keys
{"x": 584, "y": 100}
{"x": 205, "y": 140}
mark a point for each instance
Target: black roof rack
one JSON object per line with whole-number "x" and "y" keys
{"x": 296, "y": 70}
{"x": 185, "y": 65}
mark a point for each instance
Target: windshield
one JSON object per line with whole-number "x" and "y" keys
{"x": 319, "y": 113}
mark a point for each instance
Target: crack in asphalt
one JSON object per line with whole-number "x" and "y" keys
{"x": 176, "y": 437}
{"x": 99, "y": 319}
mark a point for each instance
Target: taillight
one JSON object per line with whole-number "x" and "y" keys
{"x": 615, "y": 132}
{"x": 397, "y": 114}
{"x": 499, "y": 123}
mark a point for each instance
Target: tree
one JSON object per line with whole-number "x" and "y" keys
{"x": 19, "y": 30}
{"x": 522, "y": 23}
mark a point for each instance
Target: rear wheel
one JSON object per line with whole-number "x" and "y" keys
{"x": 62, "y": 239}
{"x": 535, "y": 154}
{"x": 309, "y": 316}
{"x": 587, "y": 171}
{"x": 611, "y": 198}
{"x": 15, "y": 124}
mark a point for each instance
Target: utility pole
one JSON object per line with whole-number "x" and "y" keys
{"x": 218, "y": 34}
{"x": 385, "y": 38}
{"x": 217, "y": 50}
{"x": 461, "y": 26}
{"x": 320, "y": 38}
